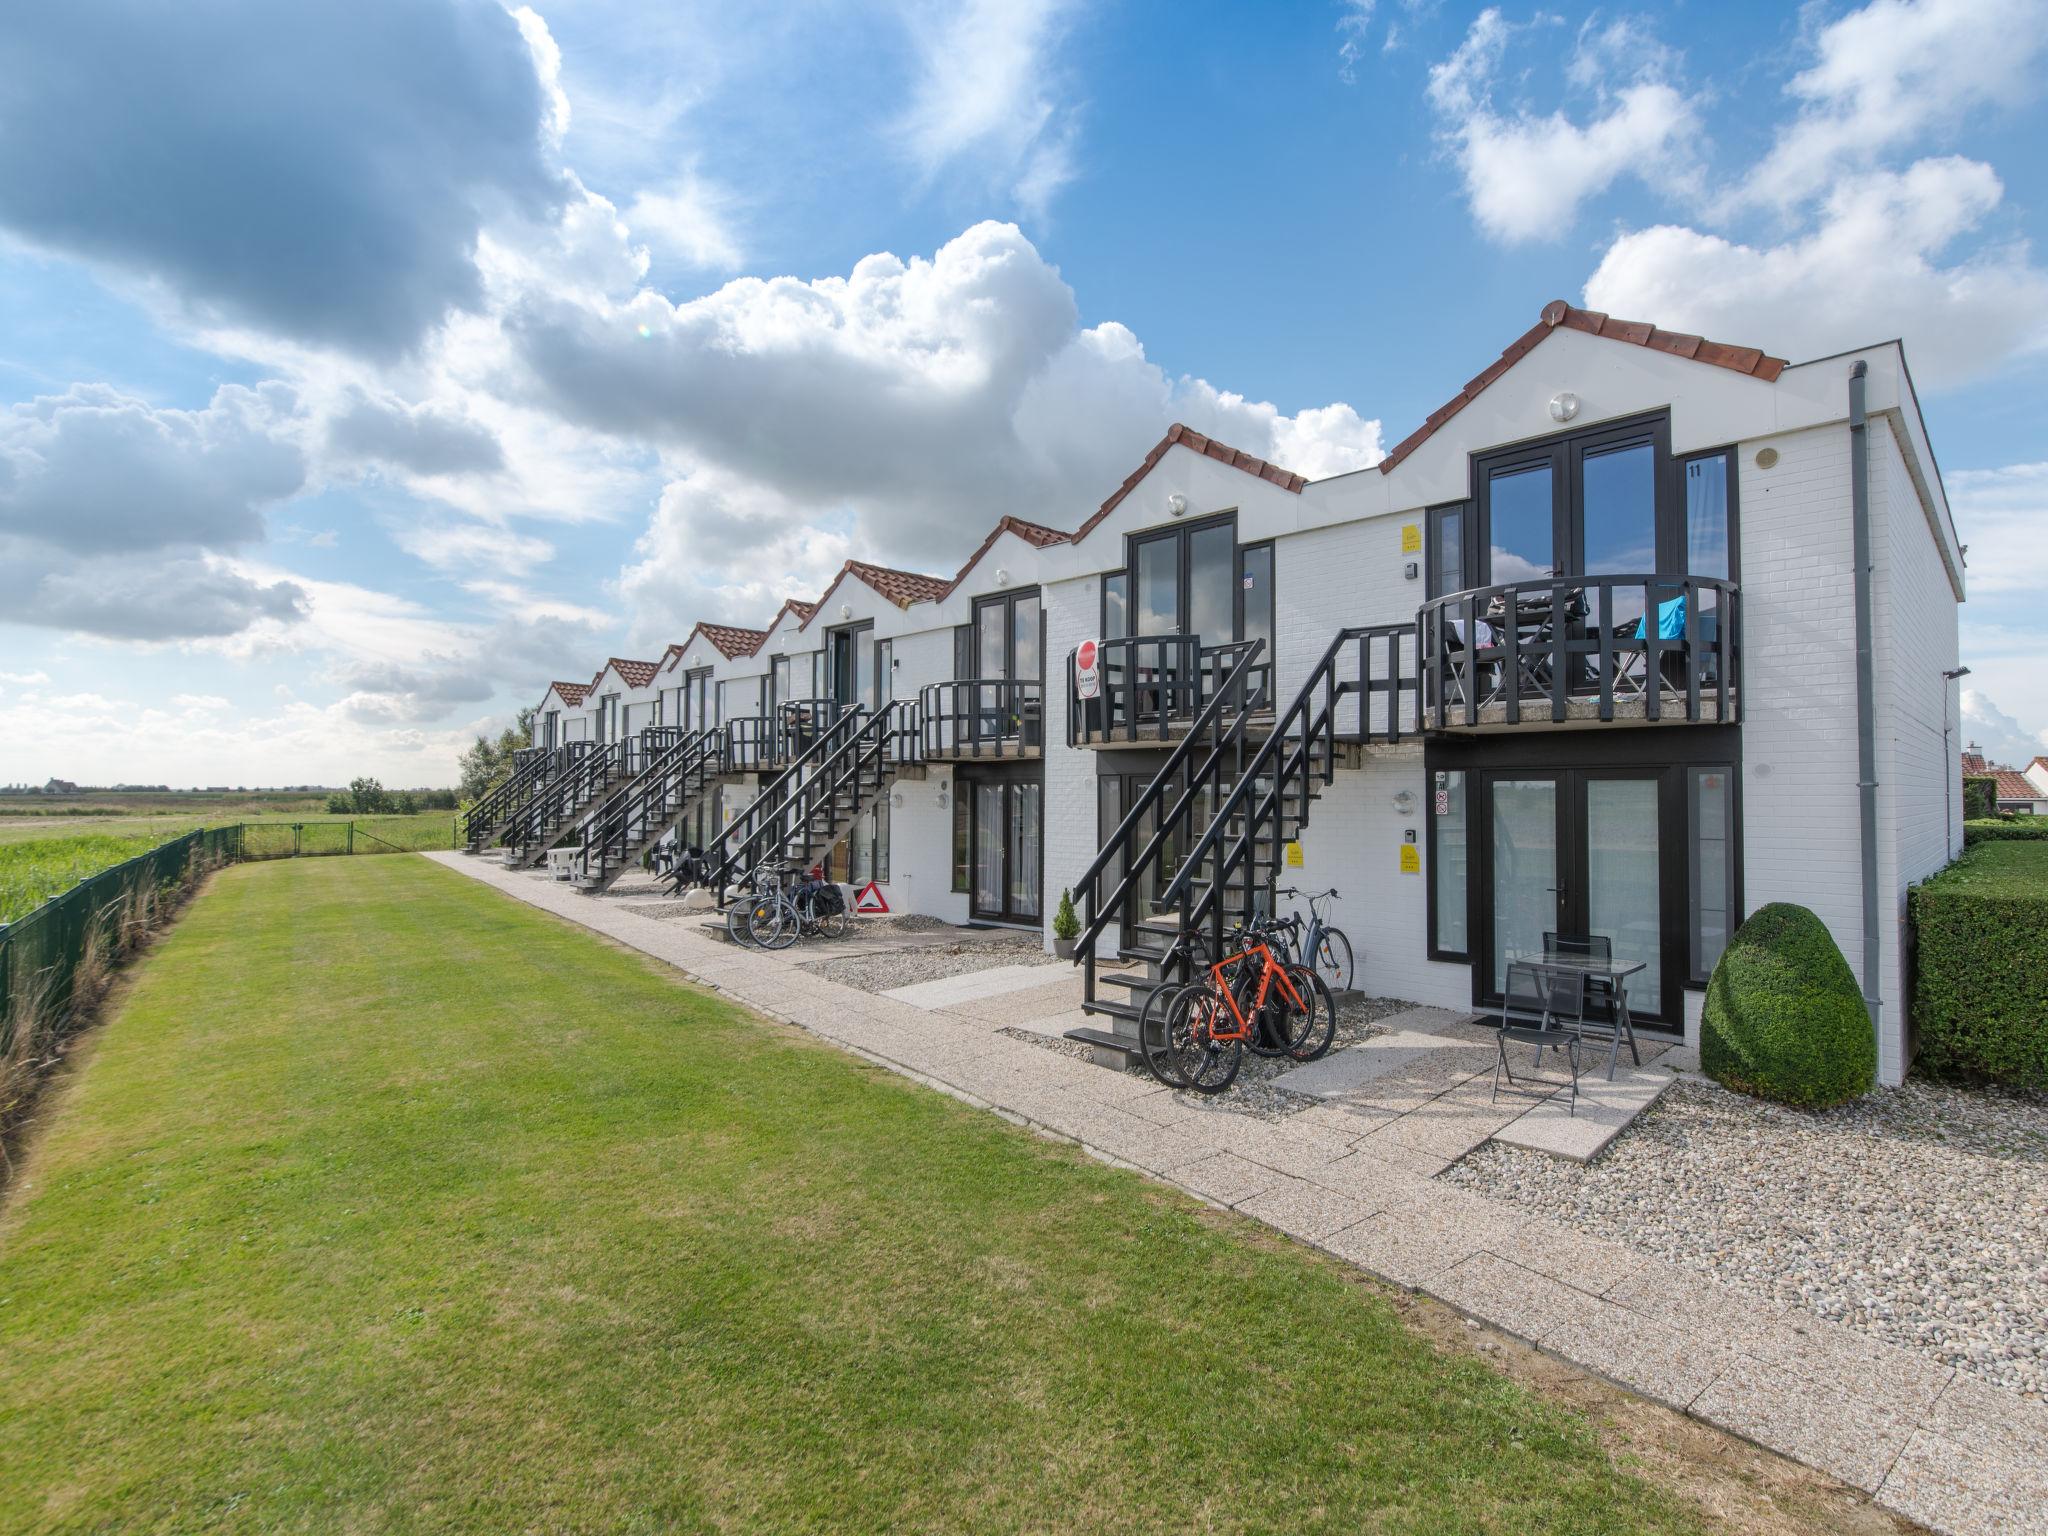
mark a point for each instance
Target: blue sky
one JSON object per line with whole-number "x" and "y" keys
{"x": 366, "y": 364}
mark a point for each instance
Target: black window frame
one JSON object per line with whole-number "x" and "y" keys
{"x": 1729, "y": 452}
{"x": 1432, "y": 544}
{"x": 1184, "y": 532}
{"x": 1696, "y": 977}
{"x": 1565, "y": 454}
{"x": 1431, "y": 863}
{"x": 1103, "y": 629}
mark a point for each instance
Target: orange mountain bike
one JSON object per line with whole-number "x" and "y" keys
{"x": 1247, "y": 1000}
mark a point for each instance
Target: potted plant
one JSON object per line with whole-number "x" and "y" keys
{"x": 1066, "y": 927}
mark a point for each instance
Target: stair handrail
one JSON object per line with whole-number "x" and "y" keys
{"x": 1099, "y": 914}
{"x": 868, "y": 746}
{"x": 611, "y": 822}
{"x": 494, "y": 808}
{"x": 561, "y": 794}
{"x": 747, "y": 826}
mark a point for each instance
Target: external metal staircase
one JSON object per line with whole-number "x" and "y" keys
{"x": 836, "y": 772}
{"x": 1212, "y": 827}
{"x": 643, "y": 810}
{"x": 531, "y": 768}
{"x": 556, "y": 807}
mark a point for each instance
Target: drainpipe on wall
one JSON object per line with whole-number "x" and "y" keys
{"x": 1866, "y": 689}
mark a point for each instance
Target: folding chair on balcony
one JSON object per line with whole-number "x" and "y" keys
{"x": 1545, "y": 1007}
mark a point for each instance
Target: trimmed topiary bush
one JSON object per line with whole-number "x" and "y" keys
{"x": 1980, "y": 799}
{"x": 1784, "y": 1019}
{"x": 1980, "y": 983}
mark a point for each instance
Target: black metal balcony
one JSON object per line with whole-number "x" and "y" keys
{"x": 1153, "y": 686}
{"x": 987, "y": 718}
{"x": 1581, "y": 650}
{"x": 752, "y": 744}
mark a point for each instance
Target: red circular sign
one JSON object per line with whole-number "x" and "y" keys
{"x": 1085, "y": 657}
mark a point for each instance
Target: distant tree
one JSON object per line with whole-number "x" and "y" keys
{"x": 488, "y": 763}
{"x": 367, "y": 797}
{"x": 339, "y": 804}
{"x": 404, "y": 804}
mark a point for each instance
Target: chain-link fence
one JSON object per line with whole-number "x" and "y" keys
{"x": 374, "y": 834}
{"x": 58, "y": 958}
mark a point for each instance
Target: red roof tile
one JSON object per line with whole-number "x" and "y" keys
{"x": 1636, "y": 332}
{"x": 901, "y": 587}
{"x": 729, "y": 640}
{"x": 1035, "y": 534}
{"x": 572, "y": 693}
{"x": 802, "y": 610}
{"x": 637, "y": 674}
{"x": 2015, "y": 786}
{"x": 1188, "y": 437}
{"x": 1974, "y": 765}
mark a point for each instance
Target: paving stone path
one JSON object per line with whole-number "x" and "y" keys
{"x": 1354, "y": 1175}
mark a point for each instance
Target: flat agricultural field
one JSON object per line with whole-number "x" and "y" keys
{"x": 383, "y": 1203}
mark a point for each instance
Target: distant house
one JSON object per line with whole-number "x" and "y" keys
{"x": 60, "y": 787}
{"x": 2036, "y": 774}
{"x": 2018, "y": 794}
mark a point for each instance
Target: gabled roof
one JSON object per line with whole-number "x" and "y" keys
{"x": 1188, "y": 437}
{"x": 638, "y": 674}
{"x": 572, "y": 693}
{"x": 901, "y": 587}
{"x": 1035, "y": 534}
{"x": 2017, "y": 786}
{"x": 728, "y": 640}
{"x": 802, "y": 610}
{"x": 1557, "y": 313}
{"x": 1974, "y": 765}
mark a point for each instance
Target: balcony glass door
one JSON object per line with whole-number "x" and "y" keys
{"x": 1006, "y": 649}
{"x": 1581, "y": 853}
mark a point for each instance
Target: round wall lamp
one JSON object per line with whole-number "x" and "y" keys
{"x": 846, "y": 610}
{"x": 1564, "y": 405}
{"x": 1176, "y": 504}
{"x": 1404, "y": 803}
{"x": 1002, "y": 578}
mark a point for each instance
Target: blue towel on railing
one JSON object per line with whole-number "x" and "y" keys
{"x": 1670, "y": 620}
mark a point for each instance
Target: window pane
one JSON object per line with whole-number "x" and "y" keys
{"x": 1622, "y": 881}
{"x": 1618, "y": 500}
{"x": 1024, "y": 850}
{"x": 1115, "y": 605}
{"x": 1449, "y": 856}
{"x": 882, "y": 840}
{"x": 960, "y": 827}
{"x": 988, "y": 848}
{"x": 1521, "y": 532}
{"x": 1024, "y": 639}
{"x": 1713, "y": 868}
{"x": 885, "y": 671}
{"x": 1448, "y": 573}
{"x": 1212, "y": 584}
{"x": 864, "y": 668}
{"x": 992, "y": 636}
{"x": 1257, "y": 583}
{"x": 1158, "y": 587}
{"x": 1524, "y": 869}
{"x": 1706, "y": 516}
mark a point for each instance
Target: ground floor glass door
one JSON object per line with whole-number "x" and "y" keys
{"x": 1007, "y": 880}
{"x": 1581, "y": 853}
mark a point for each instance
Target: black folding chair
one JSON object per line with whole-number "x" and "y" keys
{"x": 1606, "y": 1003}
{"x": 1545, "y": 1007}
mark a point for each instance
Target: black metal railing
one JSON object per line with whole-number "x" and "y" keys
{"x": 1203, "y": 764}
{"x": 532, "y": 767}
{"x": 846, "y": 767}
{"x": 982, "y": 717}
{"x": 1579, "y": 647}
{"x": 642, "y": 810}
{"x": 799, "y": 722}
{"x": 1148, "y": 686}
{"x": 555, "y": 806}
{"x": 752, "y": 744}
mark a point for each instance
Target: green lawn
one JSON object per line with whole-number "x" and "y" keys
{"x": 387, "y": 1204}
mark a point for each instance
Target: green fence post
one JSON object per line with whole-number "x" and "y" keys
{"x": 351, "y": 837}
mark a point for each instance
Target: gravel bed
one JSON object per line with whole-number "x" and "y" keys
{"x": 1917, "y": 1214}
{"x": 1260, "y": 1088}
{"x": 888, "y": 969}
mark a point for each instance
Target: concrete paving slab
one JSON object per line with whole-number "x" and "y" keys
{"x": 1661, "y": 1362}
{"x": 1579, "y": 1133}
{"x": 1514, "y": 1299}
{"x": 1823, "y": 1422}
{"x": 1307, "y": 1211}
{"x": 1223, "y": 1177}
{"x": 970, "y": 986}
{"x": 1952, "y": 1486}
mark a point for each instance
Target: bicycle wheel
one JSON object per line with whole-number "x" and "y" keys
{"x": 773, "y": 923}
{"x": 1319, "y": 1023}
{"x": 738, "y": 915}
{"x": 1206, "y": 1064}
{"x": 1333, "y": 960}
{"x": 1162, "y": 1054}
{"x": 1281, "y": 1025}
{"x": 832, "y": 925}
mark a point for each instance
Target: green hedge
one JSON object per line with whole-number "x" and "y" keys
{"x": 1980, "y": 989}
{"x": 1980, "y": 798}
{"x": 1784, "y": 1019}
{"x": 2006, "y": 828}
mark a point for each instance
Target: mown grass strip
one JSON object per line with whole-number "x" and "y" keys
{"x": 386, "y": 1204}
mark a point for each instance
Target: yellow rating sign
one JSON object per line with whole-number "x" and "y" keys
{"x": 1294, "y": 855}
{"x": 1411, "y": 859}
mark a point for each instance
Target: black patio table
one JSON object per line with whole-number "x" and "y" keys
{"x": 1615, "y": 973}
{"x": 1534, "y": 619}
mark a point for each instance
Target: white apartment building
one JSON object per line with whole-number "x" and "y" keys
{"x": 1638, "y": 632}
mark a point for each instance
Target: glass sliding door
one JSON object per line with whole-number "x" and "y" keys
{"x": 1521, "y": 523}
{"x": 1525, "y": 882}
{"x": 988, "y": 850}
{"x": 1007, "y": 839}
{"x": 1023, "y": 882}
{"x": 1623, "y": 880}
{"x": 1212, "y": 584}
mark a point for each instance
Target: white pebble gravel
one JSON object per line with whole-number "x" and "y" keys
{"x": 1918, "y": 1214}
{"x": 889, "y": 968}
